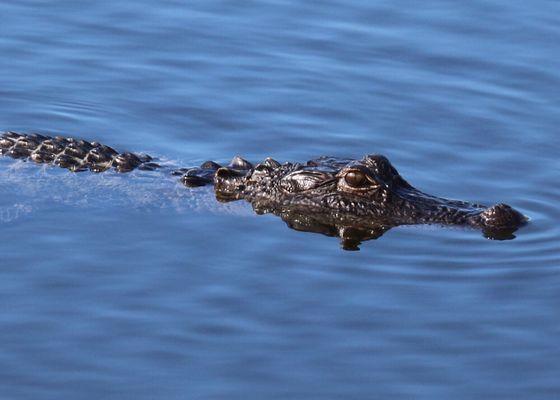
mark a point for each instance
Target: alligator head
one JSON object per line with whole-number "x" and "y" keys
{"x": 352, "y": 199}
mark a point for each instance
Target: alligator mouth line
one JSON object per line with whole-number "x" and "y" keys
{"x": 353, "y": 199}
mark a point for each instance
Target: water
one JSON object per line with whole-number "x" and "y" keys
{"x": 131, "y": 286}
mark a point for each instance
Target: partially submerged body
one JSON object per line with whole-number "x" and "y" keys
{"x": 355, "y": 200}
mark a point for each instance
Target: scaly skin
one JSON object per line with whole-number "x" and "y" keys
{"x": 76, "y": 155}
{"x": 353, "y": 199}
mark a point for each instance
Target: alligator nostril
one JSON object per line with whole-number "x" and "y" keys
{"x": 502, "y": 216}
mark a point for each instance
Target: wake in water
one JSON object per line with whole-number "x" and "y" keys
{"x": 26, "y": 188}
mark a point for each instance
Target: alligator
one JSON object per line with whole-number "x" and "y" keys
{"x": 353, "y": 199}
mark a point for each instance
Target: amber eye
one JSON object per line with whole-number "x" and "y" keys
{"x": 355, "y": 179}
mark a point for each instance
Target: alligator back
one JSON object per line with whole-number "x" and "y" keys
{"x": 73, "y": 154}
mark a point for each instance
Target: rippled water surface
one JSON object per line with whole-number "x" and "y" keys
{"x": 133, "y": 287}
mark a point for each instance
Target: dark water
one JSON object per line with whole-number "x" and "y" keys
{"x": 121, "y": 287}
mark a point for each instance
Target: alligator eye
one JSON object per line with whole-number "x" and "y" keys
{"x": 355, "y": 179}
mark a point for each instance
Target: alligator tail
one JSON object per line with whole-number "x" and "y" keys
{"x": 73, "y": 154}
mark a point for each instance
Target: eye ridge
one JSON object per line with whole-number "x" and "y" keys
{"x": 355, "y": 179}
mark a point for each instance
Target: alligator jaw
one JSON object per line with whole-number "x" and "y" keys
{"x": 496, "y": 222}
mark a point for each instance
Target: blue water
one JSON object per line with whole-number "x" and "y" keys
{"x": 133, "y": 287}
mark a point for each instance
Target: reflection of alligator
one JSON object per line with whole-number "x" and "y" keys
{"x": 353, "y": 199}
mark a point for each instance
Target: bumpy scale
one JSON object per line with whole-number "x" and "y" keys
{"x": 75, "y": 155}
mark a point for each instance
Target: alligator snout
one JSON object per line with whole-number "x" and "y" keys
{"x": 500, "y": 217}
